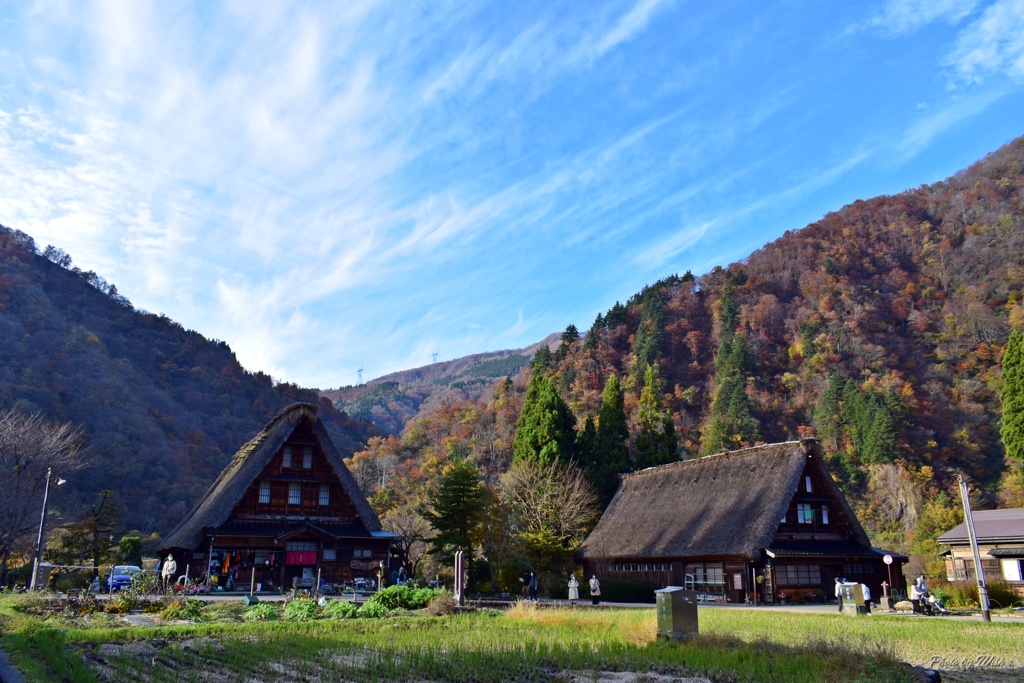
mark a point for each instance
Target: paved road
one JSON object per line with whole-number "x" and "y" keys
{"x": 8, "y": 674}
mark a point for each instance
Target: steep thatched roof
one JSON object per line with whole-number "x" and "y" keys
{"x": 728, "y": 504}
{"x": 222, "y": 497}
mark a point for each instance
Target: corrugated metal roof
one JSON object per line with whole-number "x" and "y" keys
{"x": 989, "y": 525}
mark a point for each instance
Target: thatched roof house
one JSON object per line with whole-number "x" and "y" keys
{"x": 721, "y": 522}
{"x": 285, "y": 506}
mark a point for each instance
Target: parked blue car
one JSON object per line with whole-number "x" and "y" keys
{"x": 121, "y": 577}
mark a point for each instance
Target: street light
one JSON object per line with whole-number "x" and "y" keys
{"x": 42, "y": 522}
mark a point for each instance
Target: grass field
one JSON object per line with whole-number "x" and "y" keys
{"x": 525, "y": 644}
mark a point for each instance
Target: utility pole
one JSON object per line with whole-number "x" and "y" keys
{"x": 359, "y": 382}
{"x": 979, "y": 573}
{"x": 42, "y": 523}
{"x": 434, "y": 354}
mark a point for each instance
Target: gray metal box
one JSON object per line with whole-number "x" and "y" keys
{"x": 853, "y": 599}
{"x": 677, "y": 613}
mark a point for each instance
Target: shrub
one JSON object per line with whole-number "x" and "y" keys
{"x": 129, "y": 599}
{"x": 965, "y": 594}
{"x": 263, "y": 611}
{"x": 185, "y": 609}
{"x": 624, "y": 590}
{"x": 403, "y": 597}
{"x": 373, "y": 610}
{"x": 442, "y": 604}
{"x": 301, "y": 610}
{"x": 340, "y": 609}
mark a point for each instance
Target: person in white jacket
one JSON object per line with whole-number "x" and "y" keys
{"x": 867, "y": 597}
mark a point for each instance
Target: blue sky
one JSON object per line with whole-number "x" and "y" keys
{"x": 329, "y": 186}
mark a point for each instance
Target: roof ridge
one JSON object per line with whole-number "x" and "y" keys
{"x": 723, "y": 455}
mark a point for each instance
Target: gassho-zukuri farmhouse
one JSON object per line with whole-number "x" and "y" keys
{"x": 767, "y": 520}
{"x": 284, "y": 511}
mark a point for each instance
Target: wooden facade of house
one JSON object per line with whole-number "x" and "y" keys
{"x": 767, "y": 520}
{"x": 1000, "y": 535}
{"x": 284, "y": 511}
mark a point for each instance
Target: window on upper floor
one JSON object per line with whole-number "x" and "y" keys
{"x": 294, "y": 493}
{"x": 264, "y": 492}
{"x": 286, "y": 457}
{"x": 307, "y": 457}
{"x": 824, "y": 514}
{"x": 804, "y": 513}
{"x": 807, "y": 483}
{"x": 325, "y": 494}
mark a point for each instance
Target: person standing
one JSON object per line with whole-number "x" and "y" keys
{"x": 867, "y": 597}
{"x": 839, "y": 593}
{"x": 595, "y": 590}
{"x": 918, "y": 590}
{"x": 168, "y": 571}
{"x": 574, "y": 590}
{"x": 533, "y": 586}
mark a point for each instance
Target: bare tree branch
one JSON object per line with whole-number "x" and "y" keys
{"x": 29, "y": 444}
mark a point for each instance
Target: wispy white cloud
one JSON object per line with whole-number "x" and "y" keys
{"x": 628, "y": 25}
{"x": 365, "y": 183}
{"x": 905, "y": 16}
{"x": 993, "y": 44}
{"x": 923, "y": 132}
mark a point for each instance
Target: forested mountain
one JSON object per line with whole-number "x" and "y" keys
{"x": 392, "y": 400}
{"x": 163, "y": 408}
{"x": 879, "y": 329}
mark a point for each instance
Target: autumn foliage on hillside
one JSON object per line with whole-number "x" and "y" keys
{"x": 879, "y": 329}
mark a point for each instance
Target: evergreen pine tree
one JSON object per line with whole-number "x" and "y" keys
{"x": 611, "y": 455}
{"x": 594, "y": 333}
{"x": 542, "y": 359}
{"x": 545, "y": 430}
{"x": 1012, "y": 398}
{"x": 586, "y": 443}
{"x": 616, "y": 316}
{"x": 828, "y": 414}
{"x": 650, "y": 332}
{"x": 732, "y": 423}
{"x": 656, "y": 433}
{"x": 569, "y": 337}
{"x": 457, "y": 511}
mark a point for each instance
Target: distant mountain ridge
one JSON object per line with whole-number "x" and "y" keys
{"x": 392, "y": 400}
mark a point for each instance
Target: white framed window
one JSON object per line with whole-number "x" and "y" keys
{"x": 807, "y": 483}
{"x": 330, "y": 555}
{"x": 294, "y": 493}
{"x": 286, "y": 457}
{"x": 362, "y": 552}
{"x": 264, "y": 492}
{"x": 307, "y": 457}
{"x": 804, "y": 513}
{"x": 824, "y": 514}
{"x": 325, "y": 494}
